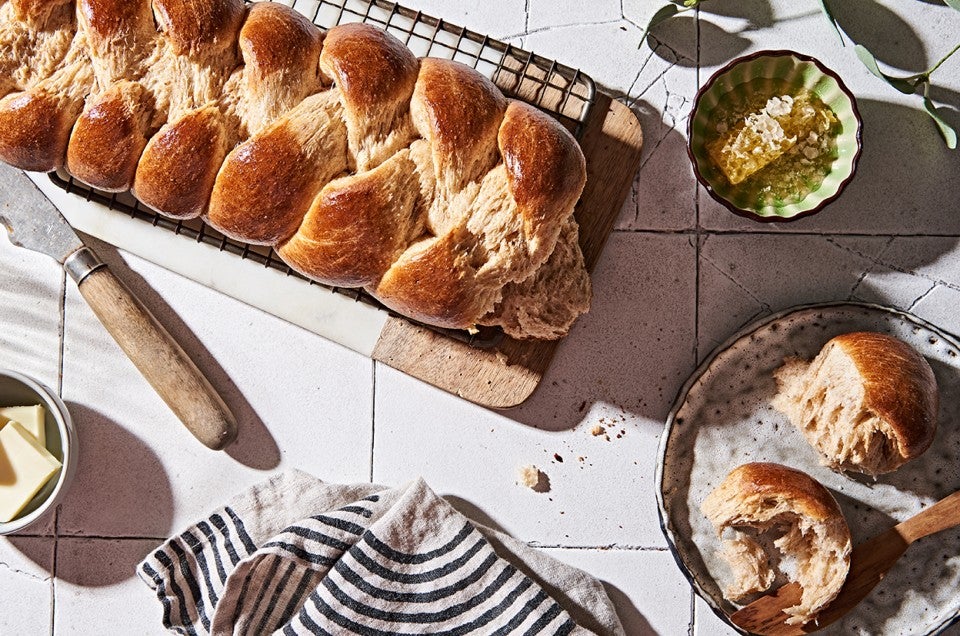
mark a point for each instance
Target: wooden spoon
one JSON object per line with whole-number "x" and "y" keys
{"x": 869, "y": 563}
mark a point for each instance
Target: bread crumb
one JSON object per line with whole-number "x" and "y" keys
{"x": 533, "y": 478}
{"x": 597, "y": 430}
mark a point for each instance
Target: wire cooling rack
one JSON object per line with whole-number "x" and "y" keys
{"x": 559, "y": 90}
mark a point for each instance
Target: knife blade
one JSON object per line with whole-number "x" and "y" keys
{"x": 34, "y": 223}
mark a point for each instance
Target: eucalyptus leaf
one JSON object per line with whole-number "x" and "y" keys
{"x": 833, "y": 20}
{"x": 662, "y": 15}
{"x": 902, "y": 85}
{"x": 949, "y": 134}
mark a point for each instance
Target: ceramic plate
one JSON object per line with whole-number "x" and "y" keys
{"x": 800, "y": 72}
{"x": 723, "y": 418}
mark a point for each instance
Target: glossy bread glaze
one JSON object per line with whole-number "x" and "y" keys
{"x": 361, "y": 164}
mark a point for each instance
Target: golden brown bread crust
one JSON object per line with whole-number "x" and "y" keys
{"x": 195, "y": 26}
{"x": 36, "y": 12}
{"x": 545, "y": 167}
{"x": 35, "y": 129}
{"x": 428, "y": 284}
{"x": 109, "y": 138}
{"x": 266, "y": 185}
{"x": 356, "y": 160}
{"x": 459, "y": 112}
{"x": 357, "y": 226}
{"x": 276, "y": 40}
{"x": 106, "y": 19}
{"x": 799, "y": 516}
{"x": 758, "y": 480}
{"x": 369, "y": 66}
{"x": 263, "y": 173}
{"x": 899, "y": 386}
{"x": 179, "y": 165}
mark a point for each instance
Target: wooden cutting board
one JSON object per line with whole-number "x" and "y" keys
{"x": 506, "y": 375}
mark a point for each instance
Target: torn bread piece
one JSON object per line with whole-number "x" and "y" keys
{"x": 769, "y": 517}
{"x": 867, "y": 403}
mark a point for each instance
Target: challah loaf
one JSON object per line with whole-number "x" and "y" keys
{"x": 868, "y": 402}
{"x": 761, "y": 502}
{"x": 362, "y": 165}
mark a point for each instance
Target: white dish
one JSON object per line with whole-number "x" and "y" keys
{"x": 723, "y": 418}
{"x": 17, "y": 389}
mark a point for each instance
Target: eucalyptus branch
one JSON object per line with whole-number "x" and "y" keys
{"x": 914, "y": 84}
{"x": 947, "y": 56}
{"x": 910, "y": 85}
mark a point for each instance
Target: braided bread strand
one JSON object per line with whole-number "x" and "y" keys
{"x": 362, "y": 165}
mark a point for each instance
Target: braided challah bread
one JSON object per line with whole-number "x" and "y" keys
{"x": 360, "y": 164}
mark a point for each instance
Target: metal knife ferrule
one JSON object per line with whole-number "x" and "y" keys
{"x": 82, "y": 263}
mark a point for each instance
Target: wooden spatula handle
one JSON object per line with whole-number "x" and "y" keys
{"x": 160, "y": 359}
{"x": 940, "y": 516}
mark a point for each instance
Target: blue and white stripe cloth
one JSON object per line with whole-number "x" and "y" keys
{"x": 298, "y": 556}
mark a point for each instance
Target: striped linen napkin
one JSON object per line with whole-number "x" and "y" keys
{"x": 299, "y": 556}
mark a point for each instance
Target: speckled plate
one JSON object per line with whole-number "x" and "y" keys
{"x": 722, "y": 418}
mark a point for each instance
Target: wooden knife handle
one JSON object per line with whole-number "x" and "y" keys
{"x": 160, "y": 359}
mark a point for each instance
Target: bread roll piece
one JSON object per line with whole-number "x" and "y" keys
{"x": 868, "y": 402}
{"x": 771, "y": 501}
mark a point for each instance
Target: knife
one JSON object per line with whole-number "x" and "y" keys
{"x": 34, "y": 223}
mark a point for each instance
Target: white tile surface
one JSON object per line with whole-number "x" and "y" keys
{"x": 544, "y": 14}
{"x": 98, "y": 592}
{"x": 31, "y": 291}
{"x": 706, "y": 623}
{"x": 25, "y": 585}
{"x": 649, "y": 592}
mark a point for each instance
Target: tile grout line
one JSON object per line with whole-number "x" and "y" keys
{"x": 53, "y": 572}
{"x": 698, "y": 227}
{"x": 62, "y": 328}
{"x": 610, "y": 547}
{"x": 373, "y": 414}
{"x": 692, "y": 617}
{"x": 805, "y": 233}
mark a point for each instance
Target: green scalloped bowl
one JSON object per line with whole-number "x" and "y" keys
{"x": 799, "y": 71}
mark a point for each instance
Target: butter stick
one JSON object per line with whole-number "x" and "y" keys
{"x": 33, "y": 418}
{"x": 25, "y": 467}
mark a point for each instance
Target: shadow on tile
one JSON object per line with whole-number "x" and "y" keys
{"x": 648, "y": 205}
{"x": 758, "y": 12}
{"x": 634, "y": 622}
{"x": 679, "y": 38}
{"x": 121, "y": 487}
{"x": 473, "y": 512}
{"x": 890, "y": 130}
{"x": 91, "y": 562}
{"x": 255, "y": 446}
{"x": 625, "y": 360}
{"x": 873, "y": 25}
